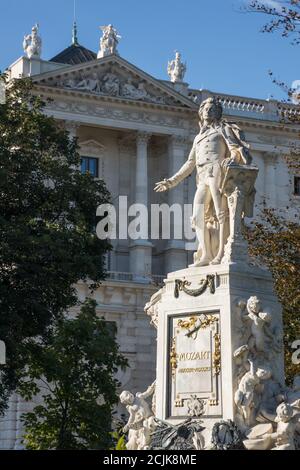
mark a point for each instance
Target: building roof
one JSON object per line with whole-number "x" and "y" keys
{"x": 74, "y": 54}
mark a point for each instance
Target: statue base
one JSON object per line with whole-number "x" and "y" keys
{"x": 203, "y": 346}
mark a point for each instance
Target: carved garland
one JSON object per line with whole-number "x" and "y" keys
{"x": 204, "y": 284}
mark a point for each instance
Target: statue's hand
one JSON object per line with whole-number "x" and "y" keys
{"x": 138, "y": 394}
{"x": 227, "y": 162}
{"x": 125, "y": 429}
{"x": 162, "y": 186}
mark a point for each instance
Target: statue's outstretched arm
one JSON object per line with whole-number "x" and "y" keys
{"x": 184, "y": 171}
{"x": 150, "y": 390}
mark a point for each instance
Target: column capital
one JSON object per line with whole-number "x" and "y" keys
{"x": 142, "y": 138}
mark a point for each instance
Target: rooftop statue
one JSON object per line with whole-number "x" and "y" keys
{"x": 176, "y": 69}
{"x": 109, "y": 41}
{"x": 32, "y": 43}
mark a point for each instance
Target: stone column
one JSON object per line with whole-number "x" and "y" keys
{"x": 175, "y": 253}
{"x": 140, "y": 257}
{"x": 72, "y": 127}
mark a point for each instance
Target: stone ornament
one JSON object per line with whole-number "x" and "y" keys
{"x": 151, "y": 308}
{"x": 141, "y": 422}
{"x": 109, "y": 41}
{"x": 32, "y": 43}
{"x": 180, "y": 285}
{"x": 226, "y": 436}
{"x": 196, "y": 406}
{"x": 183, "y": 436}
{"x": 111, "y": 84}
{"x": 176, "y": 69}
{"x": 225, "y": 186}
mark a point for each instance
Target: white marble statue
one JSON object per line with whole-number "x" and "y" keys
{"x": 176, "y": 69}
{"x": 109, "y": 41}
{"x": 286, "y": 427}
{"x": 217, "y": 146}
{"x": 244, "y": 397}
{"x": 141, "y": 418}
{"x": 32, "y": 43}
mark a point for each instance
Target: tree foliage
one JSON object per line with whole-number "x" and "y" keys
{"x": 73, "y": 369}
{"x": 47, "y": 220}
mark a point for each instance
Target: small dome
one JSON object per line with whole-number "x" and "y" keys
{"x": 73, "y": 55}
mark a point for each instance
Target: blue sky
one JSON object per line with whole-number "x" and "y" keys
{"x": 223, "y": 47}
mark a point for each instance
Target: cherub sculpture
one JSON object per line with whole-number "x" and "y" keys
{"x": 141, "y": 420}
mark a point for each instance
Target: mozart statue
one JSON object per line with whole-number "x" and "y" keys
{"x": 218, "y": 146}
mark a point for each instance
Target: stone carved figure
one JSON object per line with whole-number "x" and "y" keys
{"x": 141, "y": 422}
{"x": 109, "y": 41}
{"x": 286, "y": 427}
{"x": 89, "y": 84}
{"x": 244, "y": 397}
{"x": 264, "y": 341}
{"x": 32, "y": 43}
{"x": 217, "y": 147}
{"x": 176, "y": 69}
{"x": 269, "y": 395}
{"x": 261, "y": 333}
{"x": 111, "y": 84}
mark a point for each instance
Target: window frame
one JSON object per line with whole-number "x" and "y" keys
{"x": 87, "y": 159}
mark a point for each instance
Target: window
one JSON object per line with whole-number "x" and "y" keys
{"x": 297, "y": 185}
{"x": 89, "y": 165}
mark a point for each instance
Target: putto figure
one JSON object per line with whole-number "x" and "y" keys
{"x": 141, "y": 418}
{"x": 176, "y": 69}
{"x": 109, "y": 41}
{"x": 217, "y": 146}
{"x": 32, "y": 43}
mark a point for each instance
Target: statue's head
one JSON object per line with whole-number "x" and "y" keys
{"x": 264, "y": 372}
{"x": 253, "y": 304}
{"x": 296, "y": 383}
{"x": 126, "y": 398}
{"x": 284, "y": 412}
{"x": 210, "y": 110}
{"x": 35, "y": 29}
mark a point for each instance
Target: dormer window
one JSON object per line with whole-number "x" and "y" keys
{"x": 90, "y": 165}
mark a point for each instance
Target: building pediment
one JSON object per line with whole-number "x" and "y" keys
{"x": 113, "y": 77}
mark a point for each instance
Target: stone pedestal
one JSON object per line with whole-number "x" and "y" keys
{"x": 200, "y": 317}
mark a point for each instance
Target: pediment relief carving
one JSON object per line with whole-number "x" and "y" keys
{"x": 91, "y": 148}
{"x": 112, "y": 79}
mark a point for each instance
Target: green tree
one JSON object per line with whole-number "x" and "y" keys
{"x": 47, "y": 219}
{"x": 73, "y": 369}
{"x": 276, "y": 240}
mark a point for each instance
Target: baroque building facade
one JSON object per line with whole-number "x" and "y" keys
{"x": 133, "y": 129}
